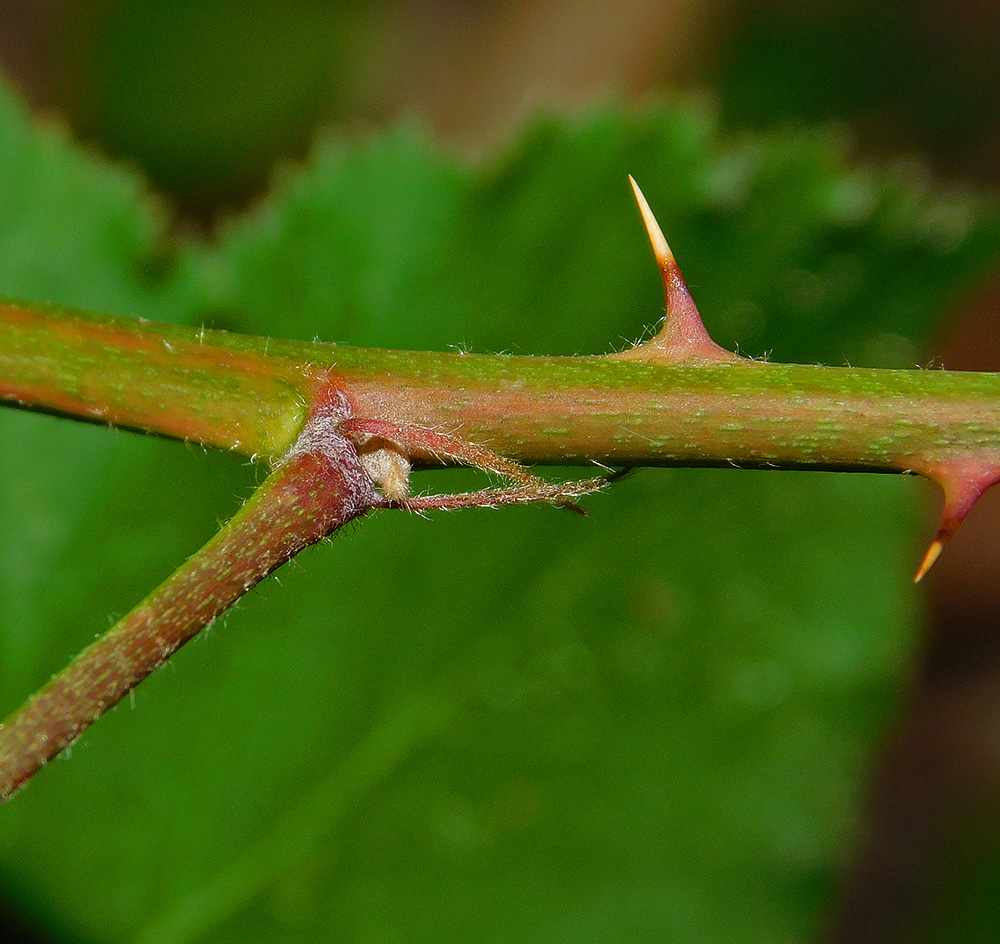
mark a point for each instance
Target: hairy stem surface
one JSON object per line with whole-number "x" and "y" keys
{"x": 319, "y": 487}
{"x": 252, "y": 395}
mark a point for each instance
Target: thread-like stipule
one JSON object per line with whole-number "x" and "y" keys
{"x": 683, "y": 336}
{"x": 408, "y": 443}
{"x": 963, "y": 481}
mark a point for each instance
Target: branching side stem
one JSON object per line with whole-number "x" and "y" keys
{"x": 315, "y": 490}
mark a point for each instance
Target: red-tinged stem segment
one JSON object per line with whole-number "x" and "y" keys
{"x": 318, "y": 487}
{"x": 529, "y": 409}
{"x": 143, "y": 376}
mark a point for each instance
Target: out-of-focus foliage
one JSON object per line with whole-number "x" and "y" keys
{"x": 653, "y": 724}
{"x": 205, "y": 97}
{"x": 920, "y": 76}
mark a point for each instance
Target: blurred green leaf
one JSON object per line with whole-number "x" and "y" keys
{"x": 653, "y": 724}
{"x": 207, "y": 96}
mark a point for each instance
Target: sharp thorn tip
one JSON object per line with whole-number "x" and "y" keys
{"x": 933, "y": 553}
{"x": 664, "y": 257}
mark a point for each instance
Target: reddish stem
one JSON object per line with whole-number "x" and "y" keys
{"x": 319, "y": 487}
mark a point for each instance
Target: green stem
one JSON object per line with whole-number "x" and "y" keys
{"x": 128, "y": 372}
{"x": 317, "y": 489}
{"x": 252, "y": 395}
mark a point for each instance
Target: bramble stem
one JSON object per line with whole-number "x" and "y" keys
{"x": 252, "y": 395}
{"x": 318, "y": 488}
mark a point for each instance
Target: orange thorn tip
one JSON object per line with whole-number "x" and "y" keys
{"x": 683, "y": 336}
{"x": 664, "y": 257}
{"x": 933, "y": 553}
